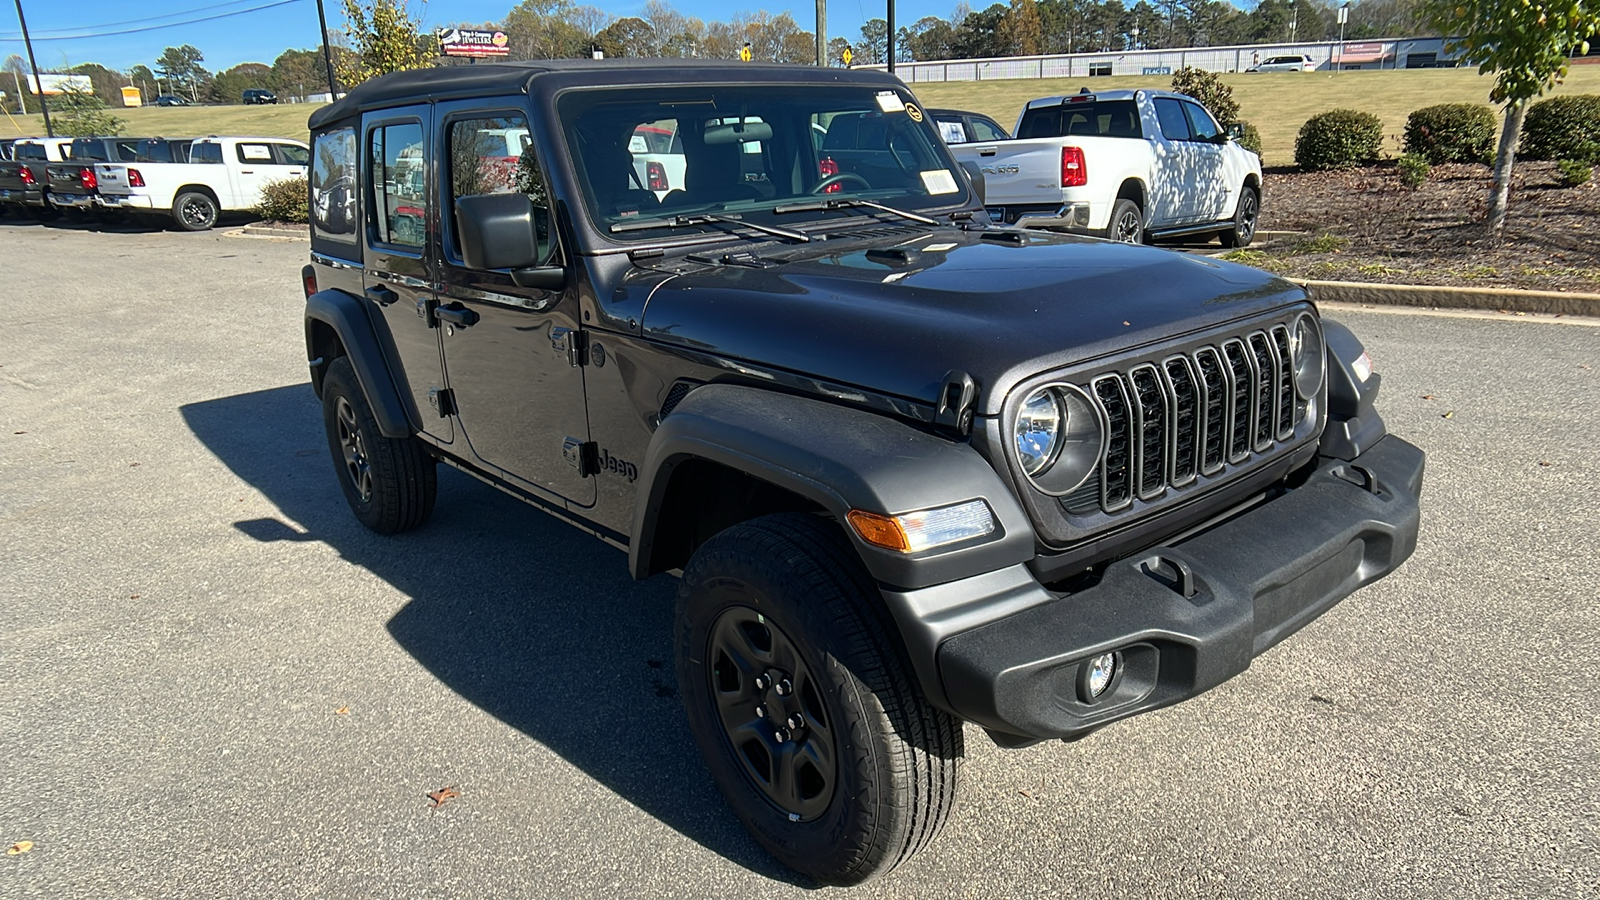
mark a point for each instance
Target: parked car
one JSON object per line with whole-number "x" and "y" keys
{"x": 74, "y": 185}
{"x": 913, "y": 469}
{"x": 25, "y": 178}
{"x": 255, "y": 96}
{"x": 172, "y": 100}
{"x": 958, "y": 126}
{"x": 223, "y": 174}
{"x": 1285, "y": 64}
{"x": 1126, "y": 165}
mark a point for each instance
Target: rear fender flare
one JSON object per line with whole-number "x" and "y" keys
{"x": 347, "y": 317}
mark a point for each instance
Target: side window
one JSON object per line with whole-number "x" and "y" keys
{"x": 255, "y": 153}
{"x": 399, "y": 202}
{"x": 493, "y": 155}
{"x": 984, "y": 130}
{"x": 290, "y": 155}
{"x": 1174, "y": 127}
{"x": 1201, "y": 125}
{"x": 333, "y": 186}
{"x": 206, "y": 153}
{"x": 951, "y": 131}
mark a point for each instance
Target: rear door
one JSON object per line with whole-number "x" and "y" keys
{"x": 253, "y": 164}
{"x": 1214, "y": 184}
{"x": 397, "y": 279}
{"x": 1176, "y": 194}
{"x": 513, "y": 354}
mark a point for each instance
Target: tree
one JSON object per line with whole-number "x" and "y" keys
{"x": 229, "y": 86}
{"x": 836, "y": 48}
{"x": 296, "y": 73}
{"x": 145, "y": 81}
{"x": 631, "y": 36}
{"x": 1020, "y": 31}
{"x": 874, "y": 43}
{"x": 928, "y": 38}
{"x": 83, "y": 114}
{"x": 1525, "y": 45}
{"x": 544, "y": 29}
{"x": 181, "y": 68}
{"x": 384, "y": 37}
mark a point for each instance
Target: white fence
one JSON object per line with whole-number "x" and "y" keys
{"x": 1329, "y": 55}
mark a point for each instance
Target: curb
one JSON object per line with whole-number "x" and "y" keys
{"x": 1493, "y": 299}
{"x": 265, "y": 231}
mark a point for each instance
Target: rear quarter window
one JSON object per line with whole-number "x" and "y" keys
{"x": 333, "y": 188}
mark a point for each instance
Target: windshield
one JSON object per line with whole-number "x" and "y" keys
{"x": 676, "y": 153}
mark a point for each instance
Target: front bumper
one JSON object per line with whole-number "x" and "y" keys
{"x": 1185, "y": 618}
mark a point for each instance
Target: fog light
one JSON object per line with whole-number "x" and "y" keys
{"x": 1098, "y": 674}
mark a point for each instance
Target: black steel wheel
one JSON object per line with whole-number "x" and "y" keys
{"x": 812, "y": 726}
{"x": 390, "y": 483}
{"x": 1244, "y": 219}
{"x": 1127, "y": 223}
{"x": 194, "y": 211}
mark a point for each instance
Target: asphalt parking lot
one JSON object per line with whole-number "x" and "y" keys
{"x": 215, "y": 683}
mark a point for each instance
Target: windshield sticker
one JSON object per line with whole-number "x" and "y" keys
{"x": 890, "y": 102}
{"x": 939, "y": 181}
{"x": 913, "y": 112}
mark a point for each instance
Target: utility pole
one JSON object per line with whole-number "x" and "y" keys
{"x": 327, "y": 53}
{"x": 22, "y": 102}
{"x": 1344, "y": 16}
{"x": 43, "y": 106}
{"x": 822, "y": 32}
{"x": 888, "y": 45}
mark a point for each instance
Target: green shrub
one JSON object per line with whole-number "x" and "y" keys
{"x": 83, "y": 114}
{"x": 1414, "y": 170}
{"x": 1574, "y": 171}
{"x": 284, "y": 200}
{"x": 1452, "y": 132}
{"x": 1322, "y": 243}
{"x": 1562, "y": 128}
{"x": 1250, "y": 139}
{"x": 1208, "y": 88}
{"x": 1338, "y": 139}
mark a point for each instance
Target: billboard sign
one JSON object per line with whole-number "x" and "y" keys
{"x": 469, "y": 42}
{"x": 59, "y": 84}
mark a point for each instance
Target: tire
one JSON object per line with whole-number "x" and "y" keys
{"x": 1244, "y": 219}
{"x": 872, "y": 765}
{"x": 194, "y": 211}
{"x": 390, "y": 483}
{"x": 1126, "y": 224}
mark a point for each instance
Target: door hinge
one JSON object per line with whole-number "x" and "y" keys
{"x": 954, "y": 410}
{"x": 581, "y": 455}
{"x": 573, "y": 342}
{"x": 443, "y": 401}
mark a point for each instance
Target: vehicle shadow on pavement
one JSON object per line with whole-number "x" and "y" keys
{"x": 521, "y": 615}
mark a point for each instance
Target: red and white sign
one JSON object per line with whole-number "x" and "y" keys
{"x": 467, "y": 42}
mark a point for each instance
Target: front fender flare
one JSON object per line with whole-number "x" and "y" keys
{"x": 840, "y": 458}
{"x": 347, "y": 316}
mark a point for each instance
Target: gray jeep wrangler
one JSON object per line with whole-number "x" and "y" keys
{"x": 751, "y": 325}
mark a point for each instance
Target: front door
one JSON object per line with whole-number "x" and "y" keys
{"x": 513, "y": 354}
{"x": 399, "y": 285}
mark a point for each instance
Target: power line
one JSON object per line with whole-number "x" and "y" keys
{"x": 171, "y": 15}
{"x": 84, "y": 37}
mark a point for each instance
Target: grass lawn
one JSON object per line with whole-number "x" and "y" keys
{"x": 1276, "y": 103}
{"x": 283, "y": 120}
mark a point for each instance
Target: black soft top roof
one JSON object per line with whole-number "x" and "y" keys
{"x": 519, "y": 77}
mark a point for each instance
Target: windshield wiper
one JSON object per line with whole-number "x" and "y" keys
{"x": 706, "y": 219}
{"x": 847, "y": 203}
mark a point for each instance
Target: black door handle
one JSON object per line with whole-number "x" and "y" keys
{"x": 457, "y": 315}
{"x": 381, "y": 295}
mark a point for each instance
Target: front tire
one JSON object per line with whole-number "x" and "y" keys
{"x": 194, "y": 211}
{"x": 1244, "y": 220}
{"x": 1127, "y": 223}
{"x": 811, "y": 724}
{"x": 390, "y": 483}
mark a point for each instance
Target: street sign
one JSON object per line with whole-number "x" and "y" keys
{"x": 744, "y": 53}
{"x": 469, "y": 42}
{"x": 846, "y": 56}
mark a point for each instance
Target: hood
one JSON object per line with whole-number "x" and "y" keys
{"x": 894, "y": 316}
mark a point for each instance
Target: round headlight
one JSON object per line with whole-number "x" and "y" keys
{"x": 1037, "y": 430}
{"x": 1308, "y": 356}
{"x": 1059, "y": 438}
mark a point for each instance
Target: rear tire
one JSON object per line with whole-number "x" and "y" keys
{"x": 390, "y": 483}
{"x": 194, "y": 211}
{"x": 1244, "y": 219}
{"x": 848, "y": 772}
{"x": 1127, "y": 223}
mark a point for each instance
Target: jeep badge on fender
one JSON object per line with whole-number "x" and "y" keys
{"x": 913, "y": 470}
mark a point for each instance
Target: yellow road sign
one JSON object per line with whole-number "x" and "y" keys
{"x": 744, "y": 53}
{"x": 846, "y": 56}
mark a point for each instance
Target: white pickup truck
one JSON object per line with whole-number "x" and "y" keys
{"x": 1127, "y": 165}
{"x": 223, "y": 174}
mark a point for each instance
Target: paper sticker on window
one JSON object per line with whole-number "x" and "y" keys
{"x": 256, "y": 151}
{"x": 939, "y": 181}
{"x": 890, "y": 102}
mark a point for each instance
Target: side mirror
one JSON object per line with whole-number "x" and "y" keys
{"x": 1234, "y": 131}
{"x": 508, "y": 231}
{"x": 975, "y": 175}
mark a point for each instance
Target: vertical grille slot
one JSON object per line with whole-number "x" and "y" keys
{"x": 1215, "y": 384}
{"x": 1187, "y": 423}
{"x": 1115, "y": 473}
{"x": 1241, "y": 391}
{"x": 1150, "y": 407}
{"x": 1266, "y": 390}
{"x": 1280, "y": 343}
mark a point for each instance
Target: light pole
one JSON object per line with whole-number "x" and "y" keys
{"x": 1135, "y": 34}
{"x": 1344, "y": 16}
{"x": 327, "y": 53}
{"x": 43, "y": 106}
{"x": 822, "y": 32}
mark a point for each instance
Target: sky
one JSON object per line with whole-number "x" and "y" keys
{"x": 258, "y": 30}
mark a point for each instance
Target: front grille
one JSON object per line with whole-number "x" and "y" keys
{"x": 1189, "y": 415}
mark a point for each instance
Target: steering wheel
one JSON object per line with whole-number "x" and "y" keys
{"x": 840, "y": 178}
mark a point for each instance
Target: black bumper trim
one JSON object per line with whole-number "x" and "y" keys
{"x": 1186, "y": 618}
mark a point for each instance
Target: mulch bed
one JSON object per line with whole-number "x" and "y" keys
{"x": 1364, "y": 225}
